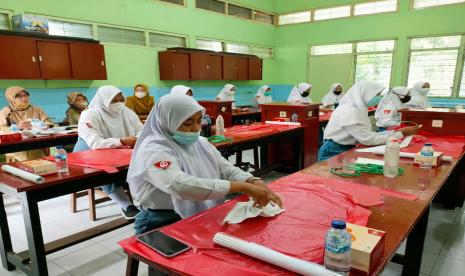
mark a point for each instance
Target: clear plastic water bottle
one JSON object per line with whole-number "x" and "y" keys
{"x": 219, "y": 126}
{"x": 427, "y": 151}
{"x": 391, "y": 158}
{"x": 61, "y": 159}
{"x": 337, "y": 248}
{"x": 14, "y": 128}
{"x": 294, "y": 117}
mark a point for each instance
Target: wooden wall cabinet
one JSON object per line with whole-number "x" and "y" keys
{"x": 255, "y": 68}
{"x": 88, "y": 61}
{"x": 174, "y": 65}
{"x": 54, "y": 60}
{"x": 18, "y": 58}
{"x": 205, "y": 66}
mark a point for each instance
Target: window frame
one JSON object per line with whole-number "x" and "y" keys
{"x": 215, "y": 12}
{"x": 9, "y": 14}
{"x": 412, "y": 5}
{"x": 176, "y": 5}
{"x": 225, "y": 42}
{"x": 376, "y": 13}
{"x": 309, "y": 20}
{"x": 314, "y": 11}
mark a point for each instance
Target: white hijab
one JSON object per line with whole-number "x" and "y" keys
{"x": 330, "y": 98}
{"x": 115, "y": 125}
{"x": 419, "y": 97}
{"x": 156, "y": 142}
{"x": 179, "y": 90}
{"x": 295, "y": 95}
{"x": 353, "y": 109}
{"x": 260, "y": 98}
{"x": 226, "y": 94}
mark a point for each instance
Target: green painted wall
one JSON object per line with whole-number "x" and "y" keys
{"x": 293, "y": 41}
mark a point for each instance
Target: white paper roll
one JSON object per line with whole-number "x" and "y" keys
{"x": 23, "y": 174}
{"x": 271, "y": 256}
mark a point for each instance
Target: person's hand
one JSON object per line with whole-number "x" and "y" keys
{"x": 129, "y": 141}
{"x": 25, "y": 125}
{"x": 411, "y": 130}
{"x": 262, "y": 195}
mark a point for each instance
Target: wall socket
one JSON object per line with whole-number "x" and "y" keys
{"x": 437, "y": 123}
{"x": 282, "y": 114}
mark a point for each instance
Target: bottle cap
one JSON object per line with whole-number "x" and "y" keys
{"x": 428, "y": 144}
{"x": 338, "y": 224}
{"x": 59, "y": 147}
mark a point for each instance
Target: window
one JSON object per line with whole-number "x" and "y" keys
{"x": 263, "y": 17}
{"x": 63, "y": 28}
{"x": 4, "y": 22}
{"x": 237, "y": 48}
{"x": 239, "y": 11}
{"x": 210, "y": 45}
{"x": 118, "y": 35}
{"x": 375, "y": 7}
{"x": 178, "y": 2}
{"x": 374, "y": 61}
{"x": 211, "y": 5}
{"x": 375, "y": 46}
{"x": 294, "y": 18}
{"x": 418, "y": 4}
{"x": 334, "y": 49}
{"x": 262, "y": 52}
{"x": 331, "y": 13}
{"x": 166, "y": 41}
{"x": 434, "y": 59}
{"x": 462, "y": 83}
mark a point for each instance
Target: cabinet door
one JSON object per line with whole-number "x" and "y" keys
{"x": 215, "y": 70}
{"x": 255, "y": 69}
{"x": 199, "y": 66}
{"x": 173, "y": 65}
{"x": 229, "y": 68}
{"x": 242, "y": 68}
{"x": 54, "y": 60}
{"x": 18, "y": 58}
{"x": 88, "y": 61}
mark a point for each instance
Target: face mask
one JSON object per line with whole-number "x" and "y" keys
{"x": 82, "y": 105}
{"x": 374, "y": 101}
{"x": 116, "y": 107}
{"x": 140, "y": 95}
{"x": 424, "y": 91}
{"x": 406, "y": 99}
{"x": 337, "y": 93}
{"x": 186, "y": 138}
{"x": 22, "y": 106}
{"x": 267, "y": 93}
{"x": 305, "y": 94}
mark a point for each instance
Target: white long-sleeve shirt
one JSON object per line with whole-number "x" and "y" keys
{"x": 353, "y": 134}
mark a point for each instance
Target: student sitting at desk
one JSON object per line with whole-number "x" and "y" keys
{"x": 300, "y": 94}
{"x": 387, "y": 113}
{"x": 263, "y": 96}
{"x": 108, "y": 123}
{"x": 182, "y": 90}
{"x": 176, "y": 174}
{"x": 419, "y": 98}
{"x": 349, "y": 124}
{"x": 333, "y": 97}
{"x": 20, "y": 112}
{"x": 227, "y": 94}
{"x": 141, "y": 103}
{"x": 77, "y": 103}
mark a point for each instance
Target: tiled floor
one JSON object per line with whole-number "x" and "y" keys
{"x": 444, "y": 252}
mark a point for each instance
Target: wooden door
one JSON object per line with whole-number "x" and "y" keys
{"x": 174, "y": 65}
{"x": 242, "y": 68}
{"x": 18, "y": 58}
{"x": 199, "y": 68}
{"x": 215, "y": 70}
{"x": 229, "y": 68}
{"x": 255, "y": 69}
{"x": 88, "y": 61}
{"x": 54, "y": 60}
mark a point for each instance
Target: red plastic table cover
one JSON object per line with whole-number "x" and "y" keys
{"x": 107, "y": 160}
{"x": 325, "y": 117}
{"x": 298, "y": 232}
{"x": 254, "y": 130}
{"x": 448, "y": 144}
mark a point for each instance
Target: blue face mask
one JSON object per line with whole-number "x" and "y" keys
{"x": 374, "y": 101}
{"x": 186, "y": 138}
{"x": 267, "y": 93}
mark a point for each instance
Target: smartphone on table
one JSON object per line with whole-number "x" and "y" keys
{"x": 163, "y": 244}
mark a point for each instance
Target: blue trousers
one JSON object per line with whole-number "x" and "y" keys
{"x": 331, "y": 148}
{"x": 147, "y": 220}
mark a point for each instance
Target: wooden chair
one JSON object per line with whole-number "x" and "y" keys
{"x": 246, "y": 165}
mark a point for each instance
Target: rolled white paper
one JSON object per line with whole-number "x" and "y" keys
{"x": 271, "y": 256}
{"x": 410, "y": 155}
{"x": 283, "y": 123}
{"x": 23, "y": 174}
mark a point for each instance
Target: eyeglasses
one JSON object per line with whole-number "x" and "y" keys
{"x": 22, "y": 94}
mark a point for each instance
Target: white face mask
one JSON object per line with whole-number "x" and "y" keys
{"x": 116, "y": 107}
{"x": 140, "y": 95}
{"x": 424, "y": 91}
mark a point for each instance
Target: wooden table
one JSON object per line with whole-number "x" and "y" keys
{"x": 33, "y": 261}
{"x": 38, "y": 142}
{"x": 241, "y": 117}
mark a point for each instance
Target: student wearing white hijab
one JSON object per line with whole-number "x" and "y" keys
{"x": 387, "y": 113}
{"x": 181, "y": 90}
{"x": 263, "y": 96}
{"x": 227, "y": 94}
{"x": 176, "y": 174}
{"x": 333, "y": 97}
{"x": 419, "y": 93}
{"x": 108, "y": 123}
{"x": 300, "y": 94}
{"x": 349, "y": 124}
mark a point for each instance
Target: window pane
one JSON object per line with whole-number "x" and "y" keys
{"x": 435, "y": 42}
{"x": 166, "y": 41}
{"x": 239, "y": 11}
{"x": 209, "y": 45}
{"x": 375, "y": 7}
{"x": 4, "y": 21}
{"x": 118, "y": 35}
{"x": 263, "y": 17}
{"x": 375, "y": 46}
{"x": 262, "y": 52}
{"x": 332, "y": 49}
{"x": 330, "y": 13}
{"x": 294, "y": 18}
{"x": 63, "y": 28}
{"x": 418, "y": 4}
{"x": 374, "y": 67}
{"x": 179, "y": 2}
{"x": 211, "y": 5}
{"x": 237, "y": 48}
{"x": 462, "y": 83}
{"x": 436, "y": 67}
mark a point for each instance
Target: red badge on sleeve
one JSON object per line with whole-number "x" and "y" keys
{"x": 162, "y": 165}
{"x": 387, "y": 111}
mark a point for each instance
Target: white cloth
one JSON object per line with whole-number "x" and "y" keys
{"x": 227, "y": 94}
{"x": 387, "y": 113}
{"x": 419, "y": 98}
{"x": 260, "y": 98}
{"x": 330, "y": 98}
{"x": 244, "y": 210}
{"x": 102, "y": 128}
{"x": 188, "y": 178}
{"x": 295, "y": 95}
{"x": 179, "y": 90}
{"x": 349, "y": 123}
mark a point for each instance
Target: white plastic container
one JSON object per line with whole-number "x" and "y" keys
{"x": 391, "y": 158}
{"x": 219, "y": 126}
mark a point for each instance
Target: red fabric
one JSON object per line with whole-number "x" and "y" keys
{"x": 254, "y": 130}
{"x": 449, "y": 145}
{"x": 298, "y": 232}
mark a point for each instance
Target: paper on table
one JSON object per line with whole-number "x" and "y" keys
{"x": 380, "y": 149}
{"x": 361, "y": 160}
{"x": 271, "y": 256}
{"x": 23, "y": 174}
{"x": 244, "y": 210}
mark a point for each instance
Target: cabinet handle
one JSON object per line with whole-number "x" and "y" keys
{"x": 103, "y": 63}
{"x": 34, "y": 59}
{"x": 40, "y": 58}
{"x": 208, "y": 67}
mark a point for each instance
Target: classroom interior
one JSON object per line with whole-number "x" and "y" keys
{"x": 320, "y": 42}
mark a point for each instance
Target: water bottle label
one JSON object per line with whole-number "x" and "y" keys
{"x": 60, "y": 156}
{"x": 334, "y": 248}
